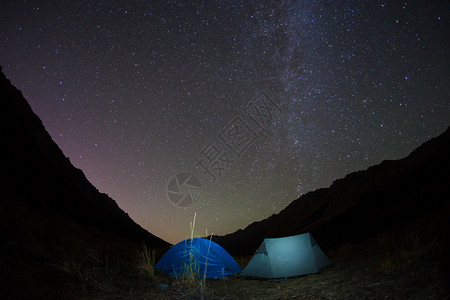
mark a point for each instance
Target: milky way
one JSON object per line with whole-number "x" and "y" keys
{"x": 254, "y": 102}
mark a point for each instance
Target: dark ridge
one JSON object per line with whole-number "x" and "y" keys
{"x": 364, "y": 204}
{"x": 39, "y": 183}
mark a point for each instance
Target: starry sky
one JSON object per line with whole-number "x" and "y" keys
{"x": 228, "y": 110}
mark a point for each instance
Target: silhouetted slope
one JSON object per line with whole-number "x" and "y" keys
{"x": 363, "y": 204}
{"x": 36, "y": 178}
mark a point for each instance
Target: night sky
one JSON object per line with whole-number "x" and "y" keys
{"x": 250, "y": 104}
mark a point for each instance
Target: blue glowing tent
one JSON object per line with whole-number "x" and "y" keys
{"x": 197, "y": 255}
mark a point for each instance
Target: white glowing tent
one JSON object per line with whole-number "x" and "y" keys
{"x": 286, "y": 257}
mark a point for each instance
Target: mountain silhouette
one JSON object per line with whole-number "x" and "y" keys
{"x": 391, "y": 196}
{"x": 43, "y": 196}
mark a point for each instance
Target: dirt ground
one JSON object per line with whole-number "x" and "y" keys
{"x": 412, "y": 269}
{"x": 362, "y": 279}
{"x": 398, "y": 276}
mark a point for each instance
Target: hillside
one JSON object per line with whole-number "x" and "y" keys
{"x": 49, "y": 212}
{"x": 391, "y": 196}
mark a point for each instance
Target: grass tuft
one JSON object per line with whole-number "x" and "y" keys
{"x": 190, "y": 283}
{"x": 91, "y": 273}
{"x": 146, "y": 261}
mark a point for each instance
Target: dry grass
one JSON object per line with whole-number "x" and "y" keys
{"x": 86, "y": 274}
{"x": 407, "y": 269}
{"x": 403, "y": 264}
{"x": 145, "y": 261}
{"x": 191, "y": 284}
